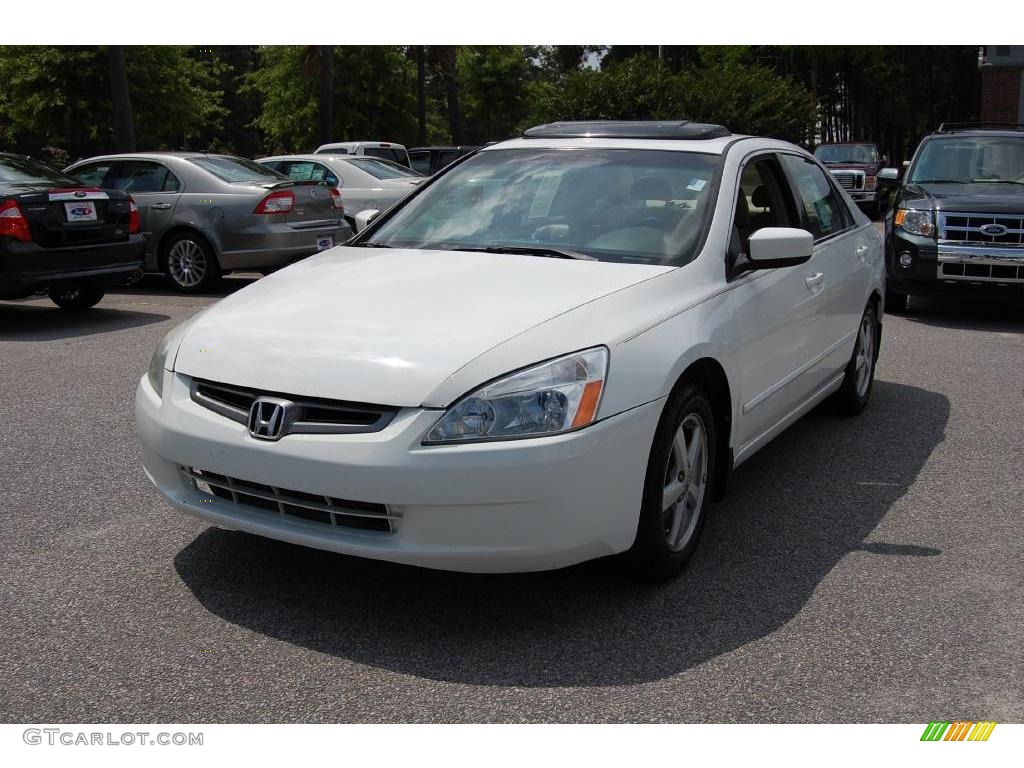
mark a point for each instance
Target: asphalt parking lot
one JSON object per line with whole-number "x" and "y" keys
{"x": 862, "y": 569}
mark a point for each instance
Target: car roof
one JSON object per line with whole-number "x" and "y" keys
{"x": 319, "y": 157}
{"x": 715, "y": 146}
{"x": 846, "y": 143}
{"x": 627, "y": 129}
{"x": 161, "y": 155}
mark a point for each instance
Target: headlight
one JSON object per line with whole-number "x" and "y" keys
{"x": 158, "y": 362}
{"x": 168, "y": 347}
{"x": 553, "y": 397}
{"x": 915, "y": 222}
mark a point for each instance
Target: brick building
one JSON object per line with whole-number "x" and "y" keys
{"x": 1002, "y": 83}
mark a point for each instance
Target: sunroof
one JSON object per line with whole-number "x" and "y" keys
{"x": 627, "y": 129}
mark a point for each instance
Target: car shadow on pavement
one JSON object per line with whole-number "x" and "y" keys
{"x": 967, "y": 314}
{"x": 156, "y": 285}
{"x": 33, "y": 322}
{"x": 791, "y": 514}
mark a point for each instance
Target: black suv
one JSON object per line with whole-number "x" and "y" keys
{"x": 62, "y": 238}
{"x": 956, "y": 225}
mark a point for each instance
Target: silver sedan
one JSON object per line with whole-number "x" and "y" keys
{"x": 364, "y": 182}
{"x": 205, "y": 215}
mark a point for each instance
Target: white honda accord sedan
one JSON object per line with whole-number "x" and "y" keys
{"x": 556, "y": 350}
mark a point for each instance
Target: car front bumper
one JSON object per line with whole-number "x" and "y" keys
{"x": 961, "y": 270}
{"x": 26, "y": 268}
{"x": 502, "y": 506}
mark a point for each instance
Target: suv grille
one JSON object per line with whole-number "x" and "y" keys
{"x": 326, "y": 510}
{"x": 849, "y": 179}
{"x": 957, "y": 228}
{"x": 311, "y": 415}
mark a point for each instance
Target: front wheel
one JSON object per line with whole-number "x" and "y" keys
{"x": 190, "y": 264}
{"x": 859, "y": 378}
{"x": 77, "y": 299}
{"x": 677, "y": 489}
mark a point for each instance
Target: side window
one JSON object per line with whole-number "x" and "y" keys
{"x": 140, "y": 177}
{"x": 762, "y": 201}
{"x": 92, "y": 174}
{"x": 824, "y": 212}
{"x": 420, "y": 162}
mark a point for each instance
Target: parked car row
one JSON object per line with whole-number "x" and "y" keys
{"x": 195, "y": 216}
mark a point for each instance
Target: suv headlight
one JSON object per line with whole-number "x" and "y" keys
{"x": 915, "y": 222}
{"x": 546, "y": 399}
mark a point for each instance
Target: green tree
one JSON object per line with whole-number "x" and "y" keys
{"x": 373, "y": 95}
{"x": 61, "y": 97}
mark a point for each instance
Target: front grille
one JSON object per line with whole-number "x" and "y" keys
{"x": 329, "y": 511}
{"x": 997, "y": 272}
{"x": 850, "y": 179}
{"x": 307, "y": 415}
{"x": 960, "y": 228}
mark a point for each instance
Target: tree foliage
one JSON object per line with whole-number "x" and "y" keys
{"x": 251, "y": 99}
{"x": 61, "y": 96}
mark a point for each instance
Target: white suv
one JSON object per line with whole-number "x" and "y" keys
{"x": 555, "y": 350}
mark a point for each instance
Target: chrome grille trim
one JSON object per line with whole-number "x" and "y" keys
{"x": 849, "y": 180}
{"x": 334, "y": 512}
{"x": 957, "y": 228}
{"x": 312, "y": 415}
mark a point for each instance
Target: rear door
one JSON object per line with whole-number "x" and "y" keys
{"x": 156, "y": 191}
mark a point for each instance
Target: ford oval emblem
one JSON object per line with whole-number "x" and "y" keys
{"x": 993, "y": 230}
{"x": 80, "y": 193}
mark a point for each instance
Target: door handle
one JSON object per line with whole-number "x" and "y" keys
{"x": 813, "y": 281}
{"x": 861, "y": 250}
{"x": 160, "y": 206}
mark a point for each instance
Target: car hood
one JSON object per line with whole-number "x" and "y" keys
{"x": 968, "y": 198}
{"x": 869, "y": 168}
{"x": 386, "y": 326}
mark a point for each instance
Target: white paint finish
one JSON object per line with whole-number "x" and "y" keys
{"x": 780, "y": 243}
{"x": 419, "y": 329}
{"x": 385, "y": 326}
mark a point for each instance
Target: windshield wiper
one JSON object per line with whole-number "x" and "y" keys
{"x": 371, "y": 245}
{"x": 940, "y": 181}
{"x": 995, "y": 181}
{"x": 532, "y": 250}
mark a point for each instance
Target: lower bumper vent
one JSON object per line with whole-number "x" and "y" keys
{"x": 326, "y": 510}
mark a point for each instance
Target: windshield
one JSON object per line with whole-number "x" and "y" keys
{"x": 383, "y": 169}
{"x": 237, "y": 169}
{"x": 642, "y": 206}
{"x": 24, "y": 170}
{"x": 970, "y": 159}
{"x": 847, "y": 153}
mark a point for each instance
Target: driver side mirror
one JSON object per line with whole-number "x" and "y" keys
{"x": 889, "y": 174}
{"x": 772, "y": 247}
{"x": 364, "y": 218}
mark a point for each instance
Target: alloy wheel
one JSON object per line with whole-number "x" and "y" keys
{"x": 865, "y": 357}
{"x": 186, "y": 263}
{"x": 685, "y": 482}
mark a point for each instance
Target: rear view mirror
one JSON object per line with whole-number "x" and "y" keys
{"x": 363, "y": 218}
{"x": 780, "y": 246}
{"x": 772, "y": 247}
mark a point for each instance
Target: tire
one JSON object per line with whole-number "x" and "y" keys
{"x": 189, "y": 263}
{"x": 667, "y": 534}
{"x": 77, "y": 299}
{"x": 855, "y": 391}
{"x": 895, "y": 303}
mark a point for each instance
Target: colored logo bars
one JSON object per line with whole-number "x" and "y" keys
{"x": 960, "y": 730}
